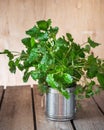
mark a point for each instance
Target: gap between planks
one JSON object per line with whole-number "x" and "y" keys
{"x": 1, "y": 95}
{"x": 99, "y": 100}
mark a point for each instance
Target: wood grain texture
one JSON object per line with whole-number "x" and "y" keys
{"x": 99, "y": 99}
{"x": 89, "y": 117}
{"x": 1, "y": 92}
{"x": 16, "y": 111}
{"x": 41, "y": 120}
{"x": 82, "y": 18}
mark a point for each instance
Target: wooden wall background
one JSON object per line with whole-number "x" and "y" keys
{"x": 82, "y": 18}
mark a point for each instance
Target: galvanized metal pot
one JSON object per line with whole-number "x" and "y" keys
{"x": 58, "y": 108}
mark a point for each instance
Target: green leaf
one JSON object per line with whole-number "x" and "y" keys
{"x": 92, "y": 71}
{"x": 9, "y": 54}
{"x": 89, "y": 89}
{"x": 33, "y": 31}
{"x": 81, "y": 53}
{"x": 20, "y": 66}
{"x": 17, "y": 61}
{"x": 42, "y": 67}
{"x": 87, "y": 48}
{"x": 65, "y": 93}
{"x": 42, "y": 36}
{"x": 79, "y": 89}
{"x": 26, "y": 75}
{"x": 43, "y": 25}
{"x": 89, "y": 93}
{"x": 23, "y": 55}
{"x": 51, "y": 82}
{"x": 69, "y": 37}
{"x": 34, "y": 75}
{"x": 43, "y": 88}
{"x": 60, "y": 42}
{"x": 92, "y": 43}
{"x": 44, "y": 63}
{"x": 32, "y": 41}
{"x": 76, "y": 51}
{"x": 47, "y": 59}
{"x": 42, "y": 47}
{"x": 53, "y": 32}
{"x": 91, "y": 60}
{"x": 100, "y": 77}
{"x": 77, "y": 74}
{"x": 67, "y": 78}
{"x": 72, "y": 54}
{"x": 92, "y": 66}
{"x": 33, "y": 55}
{"x": 12, "y": 66}
{"x": 91, "y": 84}
{"x": 49, "y": 22}
{"x": 27, "y": 42}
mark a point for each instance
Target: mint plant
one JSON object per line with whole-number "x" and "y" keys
{"x": 58, "y": 63}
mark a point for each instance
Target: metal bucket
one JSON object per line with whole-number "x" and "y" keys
{"x": 58, "y": 108}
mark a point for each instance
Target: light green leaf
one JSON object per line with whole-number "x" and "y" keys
{"x": 65, "y": 93}
{"x": 51, "y": 82}
{"x": 42, "y": 36}
{"x": 43, "y": 67}
{"x": 34, "y": 75}
{"x": 32, "y": 41}
{"x": 33, "y": 55}
{"x": 68, "y": 78}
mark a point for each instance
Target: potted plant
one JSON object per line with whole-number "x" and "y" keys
{"x": 62, "y": 67}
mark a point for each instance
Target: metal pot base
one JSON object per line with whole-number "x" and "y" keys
{"x": 59, "y": 119}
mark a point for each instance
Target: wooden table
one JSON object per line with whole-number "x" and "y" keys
{"x": 22, "y": 108}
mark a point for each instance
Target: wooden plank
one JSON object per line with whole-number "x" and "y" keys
{"x": 42, "y": 122}
{"x": 99, "y": 99}
{"x": 16, "y": 111}
{"x": 1, "y": 92}
{"x": 89, "y": 116}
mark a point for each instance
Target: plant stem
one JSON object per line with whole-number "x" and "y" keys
{"x": 83, "y": 44}
{"x": 15, "y": 52}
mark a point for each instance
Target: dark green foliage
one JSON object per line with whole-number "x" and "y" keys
{"x": 92, "y": 66}
{"x": 26, "y": 75}
{"x": 69, "y": 37}
{"x": 92, "y": 43}
{"x": 100, "y": 77}
{"x": 58, "y": 62}
{"x": 8, "y": 53}
{"x": 87, "y": 48}
{"x": 12, "y": 66}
